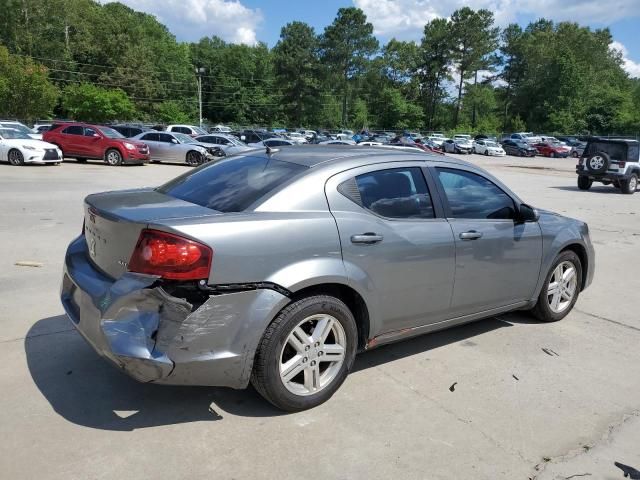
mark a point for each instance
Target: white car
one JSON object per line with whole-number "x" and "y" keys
{"x": 309, "y": 134}
{"x": 19, "y": 148}
{"x": 528, "y": 137}
{"x": 21, "y": 127}
{"x": 296, "y": 137}
{"x": 339, "y": 141}
{"x": 40, "y": 128}
{"x": 272, "y": 143}
{"x": 487, "y": 147}
{"x": 437, "y": 139}
{"x": 345, "y": 135}
{"x": 221, "y": 129}
{"x": 191, "y": 130}
{"x": 228, "y": 143}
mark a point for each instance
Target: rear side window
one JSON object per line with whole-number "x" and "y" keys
{"x": 150, "y": 137}
{"x": 232, "y": 185}
{"x": 473, "y": 196}
{"x": 395, "y": 193}
{"x": 616, "y": 151}
{"x": 74, "y": 130}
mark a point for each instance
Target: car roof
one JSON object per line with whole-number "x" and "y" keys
{"x": 627, "y": 141}
{"x": 316, "y": 155}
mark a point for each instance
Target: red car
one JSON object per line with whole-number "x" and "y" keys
{"x": 82, "y": 141}
{"x": 555, "y": 150}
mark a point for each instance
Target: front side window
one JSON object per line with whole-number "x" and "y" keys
{"x": 89, "y": 132}
{"x": 165, "y": 137}
{"x": 395, "y": 193}
{"x": 473, "y": 196}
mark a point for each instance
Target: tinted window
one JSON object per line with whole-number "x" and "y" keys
{"x": 165, "y": 137}
{"x": 473, "y": 196}
{"x": 208, "y": 139}
{"x": 74, "y": 130}
{"x": 150, "y": 137}
{"x": 181, "y": 130}
{"x": 232, "y": 185}
{"x": 276, "y": 143}
{"x": 616, "y": 151}
{"x": 396, "y": 193}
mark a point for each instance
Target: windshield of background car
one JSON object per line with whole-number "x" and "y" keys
{"x": 617, "y": 151}
{"x": 12, "y": 133}
{"x": 111, "y": 133}
{"x": 20, "y": 128}
{"x": 491, "y": 144}
{"x": 232, "y": 185}
{"x": 184, "y": 138}
{"x": 199, "y": 130}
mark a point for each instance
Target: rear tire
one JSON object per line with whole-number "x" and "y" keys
{"x": 291, "y": 361}
{"x": 561, "y": 288}
{"x": 584, "y": 183}
{"x": 628, "y": 187}
{"x": 15, "y": 157}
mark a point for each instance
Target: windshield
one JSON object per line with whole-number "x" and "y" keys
{"x": 199, "y": 131}
{"x": 111, "y": 133}
{"x": 19, "y": 127}
{"x": 491, "y": 144}
{"x": 232, "y": 185}
{"x": 183, "y": 138}
{"x": 13, "y": 134}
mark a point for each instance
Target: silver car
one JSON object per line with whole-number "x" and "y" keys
{"x": 178, "y": 148}
{"x": 276, "y": 268}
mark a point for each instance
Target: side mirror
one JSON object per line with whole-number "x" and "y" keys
{"x": 243, "y": 138}
{"x": 528, "y": 214}
{"x": 174, "y": 141}
{"x": 96, "y": 135}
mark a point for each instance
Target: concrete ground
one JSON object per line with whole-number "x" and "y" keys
{"x": 504, "y": 398}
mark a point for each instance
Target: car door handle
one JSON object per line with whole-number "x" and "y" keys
{"x": 470, "y": 235}
{"x": 368, "y": 238}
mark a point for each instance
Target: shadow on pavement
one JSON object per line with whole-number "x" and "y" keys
{"x": 594, "y": 189}
{"x": 87, "y": 390}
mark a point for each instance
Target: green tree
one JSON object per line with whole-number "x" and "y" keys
{"x": 347, "y": 45}
{"x": 475, "y": 39}
{"x": 436, "y": 58}
{"x": 25, "y": 90}
{"x": 297, "y": 71}
{"x": 87, "y": 102}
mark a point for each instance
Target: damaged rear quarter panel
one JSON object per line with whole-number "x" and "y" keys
{"x": 215, "y": 344}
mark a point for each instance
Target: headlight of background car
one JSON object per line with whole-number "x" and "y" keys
{"x": 129, "y": 146}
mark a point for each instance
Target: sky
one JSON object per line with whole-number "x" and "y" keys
{"x": 250, "y": 21}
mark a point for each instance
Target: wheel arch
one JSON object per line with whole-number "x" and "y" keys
{"x": 581, "y": 252}
{"x": 350, "y": 297}
{"x": 116, "y": 148}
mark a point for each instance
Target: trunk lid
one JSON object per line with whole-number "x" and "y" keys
{"x": 113, "y": 221}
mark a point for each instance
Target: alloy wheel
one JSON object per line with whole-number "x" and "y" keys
{"x": 15, "y": 158}
{"x": 596, "y": 162}
{"x": 313, "y": 354}
{"x": 113, "y": 158}
{"x": 562, "y": 287}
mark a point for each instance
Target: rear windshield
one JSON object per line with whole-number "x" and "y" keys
{"x": 232, "y": 185}
{"x": 616, "y": 151}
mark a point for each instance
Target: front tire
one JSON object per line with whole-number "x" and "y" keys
{"x": 561, "y": 288}
{"x": 628, "y": 187}
{"x": 16, "y": 158}
{"x": 194, "y": 158}
{"x": 305, "y": 353}
{"x": 113, "y": 157}
{"x": 584, "y": 182}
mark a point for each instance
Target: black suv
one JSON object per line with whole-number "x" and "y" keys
{"x": 610, "y": 161}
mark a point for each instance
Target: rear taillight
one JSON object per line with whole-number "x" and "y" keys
{"x": 621, "y": 164}
{"x": 170, "y": 256}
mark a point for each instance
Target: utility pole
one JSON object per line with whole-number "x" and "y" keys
{"x": 199, "y": 72}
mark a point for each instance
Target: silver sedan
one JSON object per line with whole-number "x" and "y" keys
{"x": 178, "y": 148}
{"x": 275, "y": 267}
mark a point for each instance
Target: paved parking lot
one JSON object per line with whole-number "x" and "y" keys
{"x": 505, "y": 398}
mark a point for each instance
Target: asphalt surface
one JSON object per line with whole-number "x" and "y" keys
{"x": 504, "y": 398}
